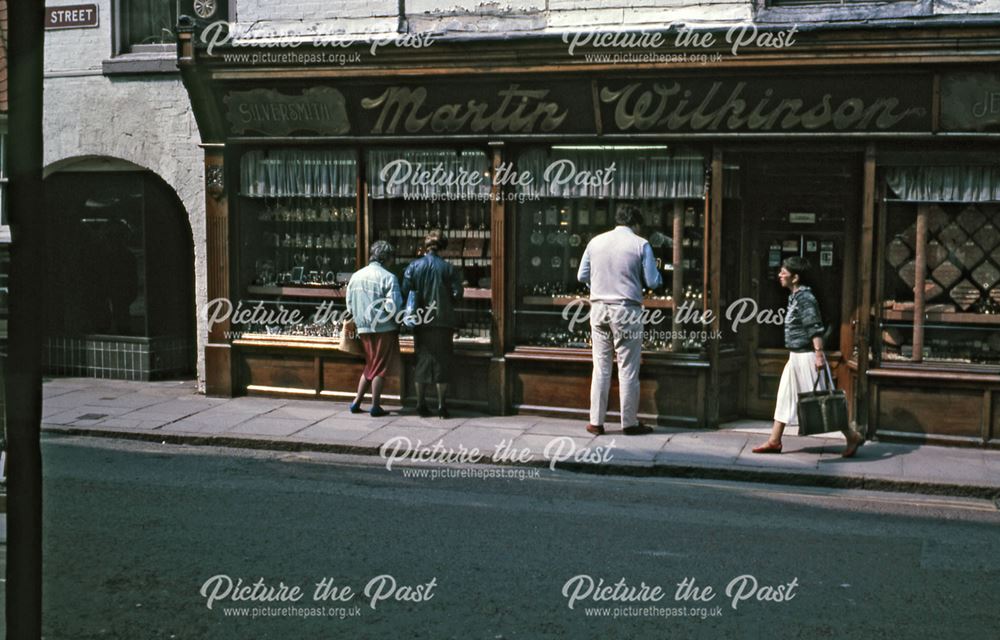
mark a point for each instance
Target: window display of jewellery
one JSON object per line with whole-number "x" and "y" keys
{"x": 474, "y": 326}
{"x": 291, "y": 318}
{"x": 556, "y": 293}
{"x": 942, "y": 343}
{"x": 466, "y": 225}
{"x": 300, "y": 240}
{"x": 577, "y": 339}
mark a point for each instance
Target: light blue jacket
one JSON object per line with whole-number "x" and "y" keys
{"x": 374, "y": 300}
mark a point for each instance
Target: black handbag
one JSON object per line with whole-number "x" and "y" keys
{"x": 822, "y": 411}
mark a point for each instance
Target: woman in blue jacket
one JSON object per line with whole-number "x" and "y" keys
{"x": 438, "y": 286}
{"x": 374, "y": 302}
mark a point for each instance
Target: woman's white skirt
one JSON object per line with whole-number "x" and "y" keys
{"x": 799, "y": 375}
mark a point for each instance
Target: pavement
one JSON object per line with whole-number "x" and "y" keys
{"x": 174, "y": 412}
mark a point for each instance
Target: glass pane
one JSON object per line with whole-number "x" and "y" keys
{"x": 151, "y": 21}
{"x": 551, "y": 237}
{"x": 404, "y": 210}
{"x": 97, "y": 279}
{"x": 298, "y": 223}
{"x": 732, "y": 233}
{"x": 961, "y": 283}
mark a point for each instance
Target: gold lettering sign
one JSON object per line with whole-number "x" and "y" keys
{"x": 318, "y": 110}
{"x": 672, "y": 106}
{"x": 515, "y": 110}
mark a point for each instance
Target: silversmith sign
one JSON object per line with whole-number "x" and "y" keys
{"x": 775, "y": 105}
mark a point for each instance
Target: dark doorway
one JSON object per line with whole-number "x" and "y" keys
{"x": 120, "y": 271}
{"x": 796, "y": 203}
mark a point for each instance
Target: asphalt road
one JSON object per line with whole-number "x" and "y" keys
{"x": 140, "y": 538}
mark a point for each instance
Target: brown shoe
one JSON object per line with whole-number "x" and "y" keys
{"x": 595, "y": 429}
{"x": 637, "y": 430}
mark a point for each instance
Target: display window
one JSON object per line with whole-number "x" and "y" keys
{"x": 304, "y": 230}
{"x": 298, "y": 226}
{"x": 413, "y": 191}
{"x": 573, "y": 194}
{"x": 940, "y": 250}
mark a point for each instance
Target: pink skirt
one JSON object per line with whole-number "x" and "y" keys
{"x": 381, "y": 354}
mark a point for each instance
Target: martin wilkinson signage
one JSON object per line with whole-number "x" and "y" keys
{"x": 778, "y": 104}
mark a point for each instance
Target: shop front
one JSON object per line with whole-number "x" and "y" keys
{"x": 881, "y": 179}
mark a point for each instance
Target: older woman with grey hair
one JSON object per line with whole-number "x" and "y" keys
{"x": 374, "y": 301}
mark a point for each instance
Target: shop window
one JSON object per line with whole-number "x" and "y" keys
{"x": 298, "y": 221}
{"x": 556, "y": 219}
{"x": 941, "y": 266}
{"x": 300, "y": 228}
{"x": 147, "y": 22}
{"x": 413, "y": 191}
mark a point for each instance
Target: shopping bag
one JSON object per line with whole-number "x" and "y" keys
{"x": 349, "y": 340}
{"x": 822, "y": 411}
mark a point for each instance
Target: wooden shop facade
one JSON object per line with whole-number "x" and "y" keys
{"x": 871, "y": 152}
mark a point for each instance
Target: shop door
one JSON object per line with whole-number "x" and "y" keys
{"x": 802, "y": 205}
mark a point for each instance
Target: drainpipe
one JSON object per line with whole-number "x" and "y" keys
{"x": 403, "y": 26}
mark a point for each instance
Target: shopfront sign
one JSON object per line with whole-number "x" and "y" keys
{"x": 769, "y": 106}
{"x": 773, "y": 105}
{"x": 74, "y": 16}
{"x": 319, "y": 110}
{"x": 970, "y": 102}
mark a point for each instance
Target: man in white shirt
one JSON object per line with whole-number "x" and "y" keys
{"x": 617, "y": 265}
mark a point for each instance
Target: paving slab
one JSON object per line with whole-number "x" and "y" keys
{"x": 268, "y": 426}
{"x": 254, "y": 403}
{"x": 538, "y": 444}
{"x": 521, "y": 423}
{"x": 873, "y": 459}
{"x": 196, "y": 425}
{"x": 694, "y": 449}
{"x": 966, "y": 466}
{"x": 563, "y": 427}
{"x": 631, "y": 449}
{"x": 417, "y": 435}
{"x": 132, "y": 399}
{"x": 348, "y": 432}
{"x": 483, "y": 438}
{"x": 297, "y": 412}
{"x": 96, "y": 414}
{"x": 78, "y": 398}
{"x": 130, "y": 423}
{"x": 413, "y": 420}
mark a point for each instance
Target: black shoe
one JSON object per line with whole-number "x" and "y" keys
{"x": 443, "y": 413}
{"x": 423, "y": 411}
{"x": 355, "y": 408}
{"x": 596, "y": 429}
{"x": 637, "y": 430}
{"x": 378, "y": 412}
